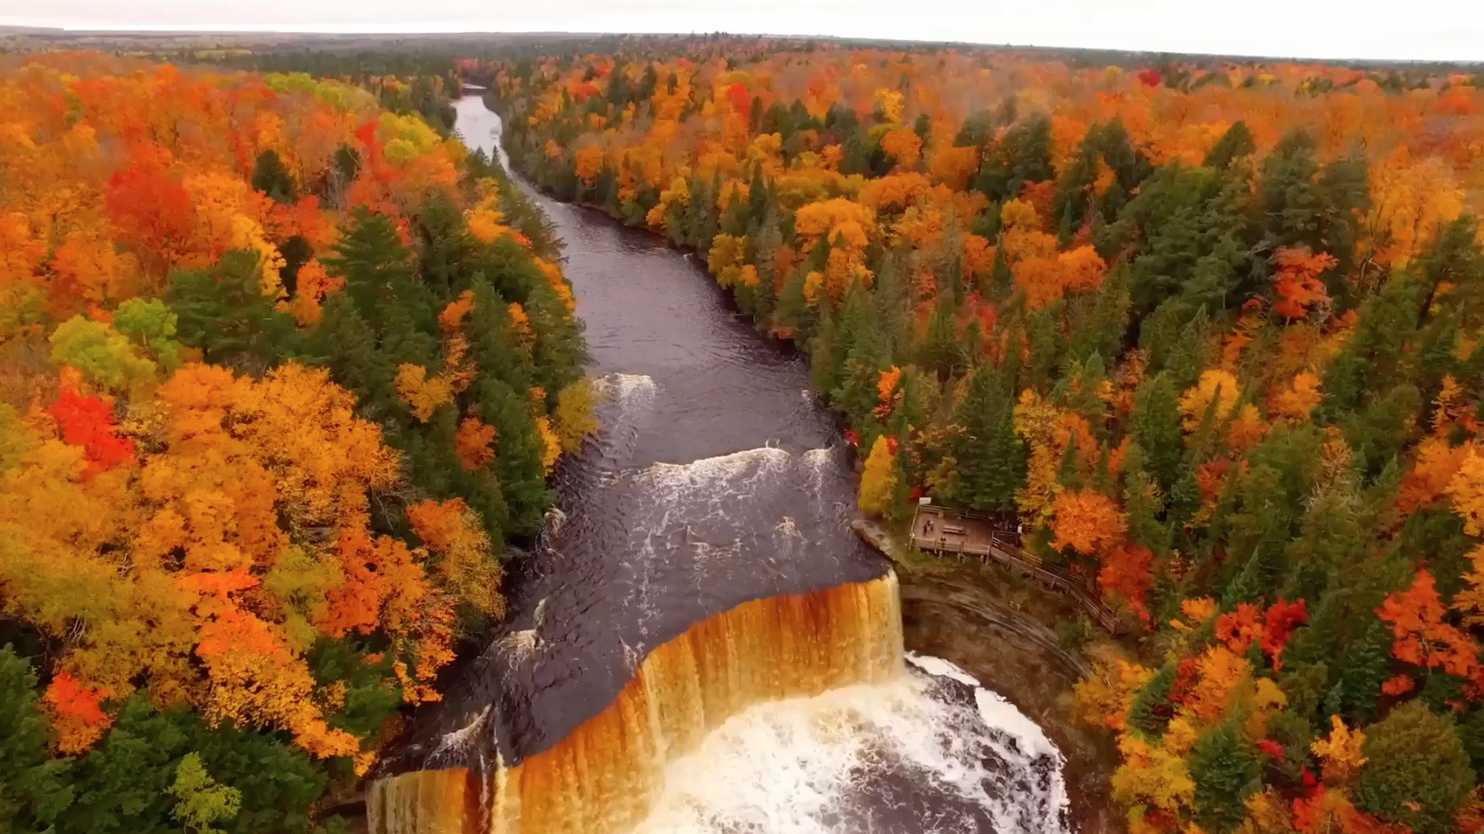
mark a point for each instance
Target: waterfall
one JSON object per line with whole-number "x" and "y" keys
{"x": 606, "y": 774}
{"x": 703, "y": 646}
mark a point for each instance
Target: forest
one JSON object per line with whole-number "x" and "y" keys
{"x": 1208, "y": 332}
{"x": 283, "y": 372}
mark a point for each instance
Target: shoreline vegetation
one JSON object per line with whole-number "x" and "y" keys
{"x": 285, "y": 371}
{"x": 1206, "y": 329}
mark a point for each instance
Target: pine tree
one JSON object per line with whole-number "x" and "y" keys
{"x": 1143, "y": 505}
{"x": 1362, "y": 668}
{"x": 347, "y": 345}
{"x": 759, "y": 201}
{"x": 518, "y": 464}
{"x": 35, "y": 788}
{"x": 1234, "y": 144}
{"x": 991, "y": 456}
{"x": 1155, "y": 426}
{"x": 1022, "y": 156}
{"x": 272, "y": 178}
{"x": 1225, "y": 770}
{"x": 447, "y": 249}
{"x": 941, "y": 350}
{"x": 1151, "y": 710}
{"x": 223, "y": 311}
{"x": 123, "y": 784}
{"x": 1373, "y": 356}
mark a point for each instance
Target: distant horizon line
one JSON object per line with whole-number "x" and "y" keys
{"x": 334, "y": 30}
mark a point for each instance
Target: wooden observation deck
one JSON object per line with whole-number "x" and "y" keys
{"x": 941, "y": 530}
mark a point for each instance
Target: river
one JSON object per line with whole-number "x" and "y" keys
{"x": 717, "y": 490}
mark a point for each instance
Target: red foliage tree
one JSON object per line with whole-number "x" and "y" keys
{"x": 88, "y": 422}
{"x": 148, "y": 206}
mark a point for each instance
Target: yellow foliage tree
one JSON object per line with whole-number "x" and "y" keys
{"x": 551, "y": 443}
{"x": 878, "y": 478}
{"x": 1411, "y": 198}
{"x": 1036, "y": 423}
{"x": 422, "y": 393}
{"x": 573, "y": 416}
{"x": 1222, "y": 673}
{"x": 1299, "y": 398}
{"x": 465, "y": 561}
{"x": 1216, "y": 389}
{"x": 1340, "y": 752}
{"x": 903, "y": 145}
{"x": 473, "y": 443}
{"x": 1151, "y": 777}
{"x": 1466, "y": 492}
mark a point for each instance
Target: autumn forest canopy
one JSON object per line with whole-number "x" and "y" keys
{"x": 283, "y": 371}
{"x": 1209, "y": 333}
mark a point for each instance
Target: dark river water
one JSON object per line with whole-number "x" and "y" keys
{"x": 717, "y": 479}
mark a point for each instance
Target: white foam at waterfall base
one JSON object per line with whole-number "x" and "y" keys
{"x": 797, "y": 766}
{"x": 999, "y": 713}
{"x": 996, "y": 711}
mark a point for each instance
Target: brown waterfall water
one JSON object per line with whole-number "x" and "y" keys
{"x": 603, "y": 775}
{"x": 699, "y": 643}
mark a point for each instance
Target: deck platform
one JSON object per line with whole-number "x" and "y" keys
{"x": 941, "y": 530}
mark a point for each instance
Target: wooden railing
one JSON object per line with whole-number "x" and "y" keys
{"x": 1006, "y": 551}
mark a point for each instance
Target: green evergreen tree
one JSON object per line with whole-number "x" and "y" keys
{"x": 34, "y": 788}
{"x": 518, "y": 465}
{"x": 991, "y": 456}
{"x": 1022, "y": 156}
{"x": 271, "y": 177}
{"x": 1155, "y": 425}
{"x": 1225, "y": 769}
{"x": 1417, "y": 772}
{"x": 371, "y": 258}
{"x": 941, "y": 349}
{"x": 123, "y": 784}
{"x": 222, "y": 310}
{"x": 1234, "y": 144}
{"x": 1151, "y": 710}
{"x": 447, "y": 250}
{"x": 1142, "y": 504}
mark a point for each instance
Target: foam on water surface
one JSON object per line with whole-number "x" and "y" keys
{"x": 802, "y": 765}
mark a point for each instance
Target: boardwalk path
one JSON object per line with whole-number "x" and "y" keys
{"x": 940, "y": 530}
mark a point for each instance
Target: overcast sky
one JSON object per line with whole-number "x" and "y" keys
{"x": 1396, "y": 29}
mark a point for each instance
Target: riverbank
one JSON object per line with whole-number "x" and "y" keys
{"x": 981, "y": 620}
{"x": 717, "y": 486}
{"x": 996, "y": 627}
